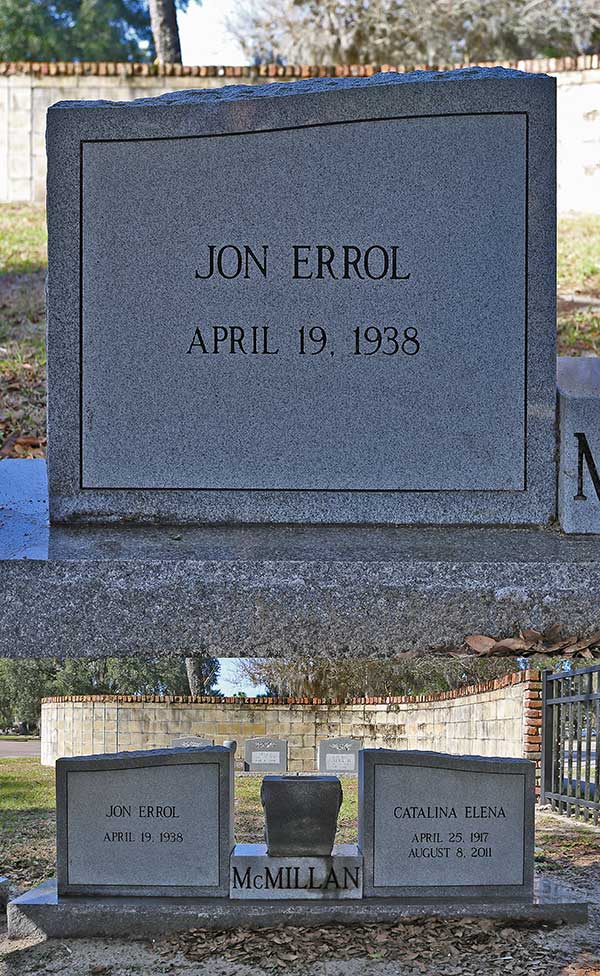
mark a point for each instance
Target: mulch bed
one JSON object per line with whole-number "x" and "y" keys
{"x": 452, "y": 947}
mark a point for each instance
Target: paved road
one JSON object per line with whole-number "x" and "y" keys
{"x": 13, "y": 749}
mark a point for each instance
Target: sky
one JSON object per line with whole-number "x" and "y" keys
{"x": 203, "y": 37}
{"x": 229, "y": 683}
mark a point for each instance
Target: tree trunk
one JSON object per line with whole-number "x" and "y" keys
{"x": 163, "y": 19}
{"x": 200, "y": 674}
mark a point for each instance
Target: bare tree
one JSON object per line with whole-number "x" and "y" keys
{"x": 202, "y": 673}
{"x": 409, "y": 674}
{"x": 163, "y": 18}
{"x": 414, "y": 31}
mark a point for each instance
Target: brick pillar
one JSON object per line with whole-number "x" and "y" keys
{"x": 532, "y": 722}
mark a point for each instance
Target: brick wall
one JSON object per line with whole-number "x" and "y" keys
{"x": 27, "y": 89}
{"x": 498, "y": 718}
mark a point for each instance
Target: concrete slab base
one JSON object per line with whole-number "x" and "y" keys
{"x": 41, "y": 912}
{"x": 352, "y": 590}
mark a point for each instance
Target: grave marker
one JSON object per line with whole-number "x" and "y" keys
{"x": 433, "y": 826}
{"x": 158, "y": 822}
{"x": 339, "y": 755}
{"x": 363, "y": 320}
{"x": 189, "y": 741}
{"x": 266, "y": 755}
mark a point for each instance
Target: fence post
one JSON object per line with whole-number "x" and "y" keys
{"x": 547, "y": 737}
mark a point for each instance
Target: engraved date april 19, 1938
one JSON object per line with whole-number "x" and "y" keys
{"x": 309, "y": 340}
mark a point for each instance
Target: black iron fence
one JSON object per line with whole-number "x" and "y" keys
{"x": 570, "y": 742}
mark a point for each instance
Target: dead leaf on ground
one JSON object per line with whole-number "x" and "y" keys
{"x": 480, "y": 643}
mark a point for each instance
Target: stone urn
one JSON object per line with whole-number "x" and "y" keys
{"x": 300, "y": 814}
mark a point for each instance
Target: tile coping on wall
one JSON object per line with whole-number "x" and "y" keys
{"x": 584, "y": 62}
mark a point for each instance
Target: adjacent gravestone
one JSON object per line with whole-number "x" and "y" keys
{"x": 579, "y": 471}
{"x": 437, "y": 826}
{"x": 145, "y": 823}
{"x": 266, "y": 755}
{"x": 394, "y": 339}
{"x": 189, "y": 741}
{"x": 339, "y": 755}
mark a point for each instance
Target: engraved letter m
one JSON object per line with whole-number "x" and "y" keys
{"x": 584, "y": 454}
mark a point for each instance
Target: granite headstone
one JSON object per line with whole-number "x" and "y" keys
{"x": 579, "y": 471}
{"x": 145, "y": 823}
{"x": 266, "y": 755}
{"x": 438, "y": 826}
{"x": 189, "y": 741}
{"x": 252, "y": 318}
{"x": 339, "y": 755}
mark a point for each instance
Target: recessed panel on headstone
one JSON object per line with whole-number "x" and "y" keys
{"x": 266, "y": 755}
{"x": 432, "y": 825}
{"x": 334, "y": 305}
{"x": 191, "y": 741}
{"x": 339, "y": 755}
{"x": 148, "y": 823}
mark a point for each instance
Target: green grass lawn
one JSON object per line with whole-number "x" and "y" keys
{"x": 27, "y": 818}
{"x": 578, "y": 281}
{"x": 22, "y": 345}
{"x": 27, "y": 821}
{"x": 22, "y": 342}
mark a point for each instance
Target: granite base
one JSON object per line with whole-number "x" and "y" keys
{"x": 40, "y": 912}
{"x": 353, "y": 590}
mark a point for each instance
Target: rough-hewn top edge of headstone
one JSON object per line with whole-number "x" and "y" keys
{"x": 188, "y": 753}
{"x": 309, "y": 86}
{"x": 418, "y": 756}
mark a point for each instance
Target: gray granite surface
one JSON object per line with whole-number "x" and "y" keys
{"x": 432, "y": 824}
{"x": 339, "y": 755}
{"x": 579, "y": 453}
{"x": 300, "y": 814}
{"x": 106, "y": 590}
{"x": 309, "y": 86}
{"x": 142, "y": 426}
{"x": 191, "y": 742}
{"x": 41, "y": 912}
{"x": 152, "y": 822}
{"x": 333, "y": 877}
{"x": 265, "y": 754}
